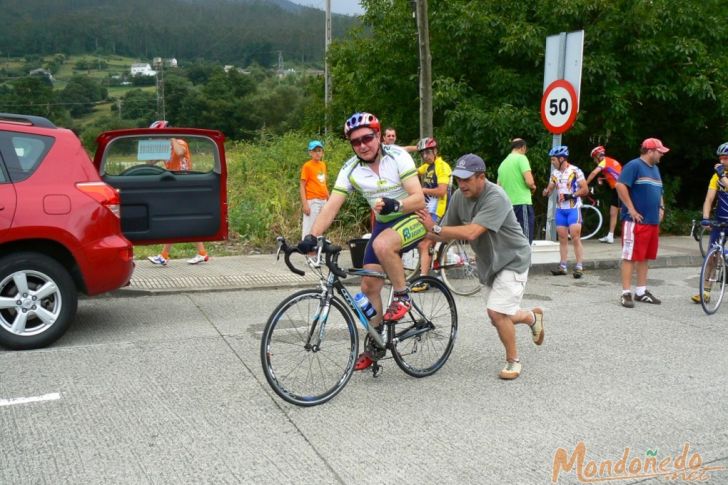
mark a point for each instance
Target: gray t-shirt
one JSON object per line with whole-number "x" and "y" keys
{"x": 503, "y": 246}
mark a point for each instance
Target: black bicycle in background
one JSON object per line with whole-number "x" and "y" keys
{"x": 697, "y": 231}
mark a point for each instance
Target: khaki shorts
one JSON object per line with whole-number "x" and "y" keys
{"x": 507, "y": 292}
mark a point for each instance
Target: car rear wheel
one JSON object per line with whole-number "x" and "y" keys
{"x": 38, "y": 300}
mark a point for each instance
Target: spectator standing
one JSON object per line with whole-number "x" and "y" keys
{"x": 514, "y": 175}
{"x": 436, "y": 176}
{"x": 480, "y": 212}
{"x": 313, "y": 190}
{"x": 390, "y": 136}
{"x": 643, "y": 207}
{"x": 610, "y": 169}
{"x": 570, "y": 184}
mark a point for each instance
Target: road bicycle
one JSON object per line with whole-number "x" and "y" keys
{"x": 310, "y": 343}
{"x": 713, "y": 272}
{"x": 591, "y": 217}
{"x": 697, "y": 231}
{"x": 455, "y": 262}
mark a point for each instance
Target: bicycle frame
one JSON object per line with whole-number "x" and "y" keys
{"x": 332, "y": 282}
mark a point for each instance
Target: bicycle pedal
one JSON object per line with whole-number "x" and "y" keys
{"x": 377, "y": 370}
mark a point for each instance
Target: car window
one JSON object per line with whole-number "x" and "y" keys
{"x": 152, "y": 155}
{"x": 23, "y": 153}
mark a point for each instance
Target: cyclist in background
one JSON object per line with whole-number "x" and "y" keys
{"x": 718, "y": 185}
{"x": 387, "y": 178}
{"x": 569, "y": 182}
{"x": 436, "y": 177}
{"x": 610, "y": 169}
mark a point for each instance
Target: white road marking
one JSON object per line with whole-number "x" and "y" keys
{"x": 54, "y": 396}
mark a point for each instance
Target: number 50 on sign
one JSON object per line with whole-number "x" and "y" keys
{"x": 559, "y": 106}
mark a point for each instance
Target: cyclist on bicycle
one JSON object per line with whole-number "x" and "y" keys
{"x": 718, "y": 185}
{"x": 436, "y": 183}
{"x": 387, "y": 178}
{"x": 610, "y": 169}
{"x": 571, "y": 186}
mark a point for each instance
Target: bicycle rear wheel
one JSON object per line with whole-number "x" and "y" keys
{"x": 702, "y": 235}
{"x": 591, "y": 221}
{"x": 423, "y": 340}
{"x": 411, "y": 263}
{"x": 714, "y": 270}
{"x": 305, "y": 361}
{"x": 459, "y": 268}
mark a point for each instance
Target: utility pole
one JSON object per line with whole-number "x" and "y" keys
{"x": 158, "y": 63}
{"x": 327, "y": 71}
{"x": 423, "y": 36}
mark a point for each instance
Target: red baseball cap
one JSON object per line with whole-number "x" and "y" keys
{"x": 654, "y": 144}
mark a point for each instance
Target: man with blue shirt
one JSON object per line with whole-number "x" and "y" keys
{"x": 640, "y": 190}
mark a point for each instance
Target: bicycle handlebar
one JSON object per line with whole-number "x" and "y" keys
{"x": 330, "y": 251}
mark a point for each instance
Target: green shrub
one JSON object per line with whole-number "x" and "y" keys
{"x": 263, "y": 189}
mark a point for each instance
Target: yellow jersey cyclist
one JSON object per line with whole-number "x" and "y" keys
{"x": 717, "y": 187}
{"x": 436, "y": 177}
{"x": 387, "y": 178}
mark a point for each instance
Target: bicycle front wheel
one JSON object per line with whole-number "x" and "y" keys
{"x": 712, "y": 280}
{"x": 308, "y": 350}
{"x": 423, "y": 340}
{"x": 591, "y": 221}
{"x": 459, "y": 268}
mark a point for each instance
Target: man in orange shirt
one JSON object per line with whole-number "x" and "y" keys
{"x": 610, "y": 170}
{"x": 313, "y": 190}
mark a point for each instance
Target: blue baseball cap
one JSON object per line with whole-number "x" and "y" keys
{"x": 468, "y": 165}
{"x": 314, "y": 144}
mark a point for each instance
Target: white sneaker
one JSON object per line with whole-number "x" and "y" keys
{"x": 510, "y": 371}
{"x": 158, "y": 259}
{"x": 198, "y": 259}
{"x": 607, "y": 240}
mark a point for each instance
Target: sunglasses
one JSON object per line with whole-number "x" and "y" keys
{"x": 366, "y": 139}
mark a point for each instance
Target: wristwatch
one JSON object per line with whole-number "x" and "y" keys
{"x": 436, "y": 229}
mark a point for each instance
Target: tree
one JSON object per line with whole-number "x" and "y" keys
{"x": 652, "y": 68}
{"x": 81, "y": 93}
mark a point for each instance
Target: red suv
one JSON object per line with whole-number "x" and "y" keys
{"x": 67, "y": 224}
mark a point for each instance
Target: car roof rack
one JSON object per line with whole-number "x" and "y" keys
{"x": 26, "y": 120}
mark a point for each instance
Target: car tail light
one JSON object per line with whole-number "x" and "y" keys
{"x": 102, "y": 193}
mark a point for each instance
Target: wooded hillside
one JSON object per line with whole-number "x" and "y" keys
{"x": 239, "y": 32}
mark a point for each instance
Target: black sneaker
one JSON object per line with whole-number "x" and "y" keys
{"x": 626, "y": 300}
{"x": 578, "y": 273}
{"x": 559, "y": 272}
{"x": 648, "y": 297}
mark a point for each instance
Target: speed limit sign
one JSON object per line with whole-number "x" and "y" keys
{"x": 559, "y": 106}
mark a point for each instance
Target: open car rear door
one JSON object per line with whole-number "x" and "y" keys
{"x": 172, "y": 181}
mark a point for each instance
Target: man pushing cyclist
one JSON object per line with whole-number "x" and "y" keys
{"x": 386, "y": 177}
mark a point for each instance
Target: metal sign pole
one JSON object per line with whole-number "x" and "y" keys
{"x": 564, "y": 53}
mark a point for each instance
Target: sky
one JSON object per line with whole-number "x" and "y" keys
{"x": 348, "y": 7}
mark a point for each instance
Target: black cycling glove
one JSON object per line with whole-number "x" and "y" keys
{"x": 308, "y": 244}
{"x": 569, "y": 196}
{"x": 390, "y": 205}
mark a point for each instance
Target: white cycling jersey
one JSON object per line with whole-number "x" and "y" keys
{"x": 395, "y": 167}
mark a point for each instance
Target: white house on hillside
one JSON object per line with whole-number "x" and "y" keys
{"x": 142, "y": 69}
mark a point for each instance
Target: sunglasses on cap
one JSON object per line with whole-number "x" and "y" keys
{"x": 357, "y": 142}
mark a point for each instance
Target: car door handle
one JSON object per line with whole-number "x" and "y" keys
{"x": 167, "y": 176}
